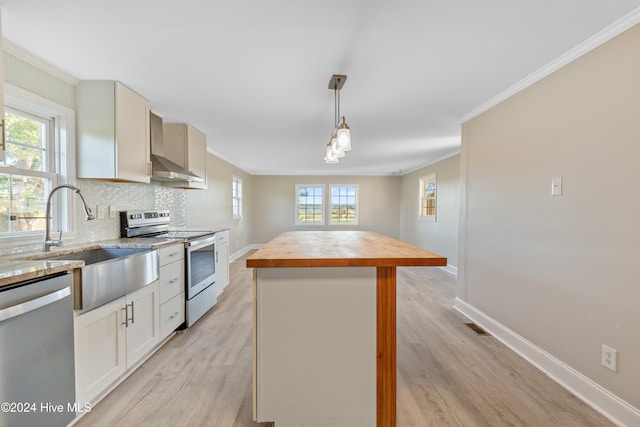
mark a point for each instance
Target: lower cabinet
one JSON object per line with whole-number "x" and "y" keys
{"x": 222, "y": 259}
{"x": 112, "y": 338}
{"x": 172, "y": 304}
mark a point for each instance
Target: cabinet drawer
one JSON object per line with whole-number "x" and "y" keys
{"x": 171, "y": 280}
{"x": 171, "y": 253}
{"x": 222, "y": 237}
{"x": 171, "y": 315}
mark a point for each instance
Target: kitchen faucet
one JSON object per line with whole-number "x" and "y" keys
{"x": 48, "y": 242}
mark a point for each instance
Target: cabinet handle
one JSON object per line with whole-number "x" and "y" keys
{"x": 173, "y": 281}
{"x": 173, "y": 254}
{"x": 216, "y": 257}
{"x": 132, "y": 321}
{"x": 173, "y": 316}
{"x": 126, "y": 316}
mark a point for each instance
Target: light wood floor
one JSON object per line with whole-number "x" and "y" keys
{"x": 447, "y": 374}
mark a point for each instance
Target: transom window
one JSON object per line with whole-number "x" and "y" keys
{"x": 309, "y": 204}
{"x": 27, "y": 172}
{"x": 344, "y": 204}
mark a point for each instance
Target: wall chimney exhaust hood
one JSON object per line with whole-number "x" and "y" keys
{"x": 162, "y": 168}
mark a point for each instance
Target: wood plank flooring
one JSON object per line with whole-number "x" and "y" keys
{"x": 447, "y": 374}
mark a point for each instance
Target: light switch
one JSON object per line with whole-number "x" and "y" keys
{"x": 556, "y": 186}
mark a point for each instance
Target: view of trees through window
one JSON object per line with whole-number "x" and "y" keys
{"x": 24, "y": 175}
{"x": 310, "y": 204}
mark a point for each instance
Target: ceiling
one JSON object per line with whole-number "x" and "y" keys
{"x": 253, "y": 74}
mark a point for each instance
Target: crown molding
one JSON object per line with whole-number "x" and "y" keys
{"x": 588, "y": 45}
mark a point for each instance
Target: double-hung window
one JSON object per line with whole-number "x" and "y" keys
{"x": 316, "y": 207}
{"x": 236, "y": 197}
{"x": 309, "y": 204}
{"x": 428, "y": 198}
{"x": 32, "y": 166}
{"x": 344, "y": 204}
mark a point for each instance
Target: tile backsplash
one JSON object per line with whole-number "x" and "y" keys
{"x": 122, "y": 196}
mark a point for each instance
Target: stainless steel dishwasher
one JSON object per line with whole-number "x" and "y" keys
{"x": 37, "y": 377}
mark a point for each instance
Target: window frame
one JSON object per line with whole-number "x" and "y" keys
{"x": 424, "y": 182}
{"x": 296, "y": 206}
{"x": 236, "y": 197}
{"x": 61, "y": 161}
{"x": 330, "y": 204}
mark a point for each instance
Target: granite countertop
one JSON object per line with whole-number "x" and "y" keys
{"x": 19, "y": 271}
{"x": 20, "y": 267}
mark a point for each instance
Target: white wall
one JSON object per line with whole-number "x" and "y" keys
{"x": 440, "y": 236}
{"x": 561, "y": 272}
{"x": 274, "y": 204}
{"x": 211, "y": 208}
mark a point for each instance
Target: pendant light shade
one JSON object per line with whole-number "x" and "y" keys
{"x": 344, "y": 137}
{"x": 340, "y": 141}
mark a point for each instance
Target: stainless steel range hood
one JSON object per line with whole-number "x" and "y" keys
{"x": 162, "y": 168}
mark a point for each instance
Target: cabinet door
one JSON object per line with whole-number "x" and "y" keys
{"x": 132, "y": 136}
{"x": 222, "y": 265}
{"x": 99, "y": 349}
{"x": 197, "y": 156}
{"x": 143, "y": 319}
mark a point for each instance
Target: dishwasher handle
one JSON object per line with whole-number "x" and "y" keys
{"x": 34, "y": 304}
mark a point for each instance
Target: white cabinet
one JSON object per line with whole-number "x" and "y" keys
{"x": 172, "y": 302}
{"x": 112, "y": 338}
{"x": 222, "y": 259}
{"x": 186, "y": 146}
{"x": 113, "y": 132}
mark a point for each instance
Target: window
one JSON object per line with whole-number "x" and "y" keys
{"x": 236, "y": 195}
{"x": 344, "y": 204}
{"x": 309, "y": 204}
{"x": 428, "y": 197}
{"x": 36, "y": 160}
{"x": 25, "y": 175}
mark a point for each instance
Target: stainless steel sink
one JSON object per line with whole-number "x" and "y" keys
{"x": 92, "y": 256}
{"x": 110, "y": 273}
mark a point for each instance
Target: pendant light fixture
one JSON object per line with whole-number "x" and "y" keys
{"x": 340, "y": 141}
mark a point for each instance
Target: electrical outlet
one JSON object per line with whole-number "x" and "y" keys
{"x": 113, "y": 212}
{"x": 610, "y": 358}
{"x": 101, "y": 211}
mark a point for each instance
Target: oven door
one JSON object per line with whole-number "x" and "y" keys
{"x": 201, "y": 266}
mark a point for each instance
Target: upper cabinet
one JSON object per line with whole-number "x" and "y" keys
{"x": 3, "y": 140}
{"x": 113, "y": 132}
{"x": 187, "y": 146}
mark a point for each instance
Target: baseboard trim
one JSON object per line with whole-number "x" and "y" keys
{"x": 602, "y": 400}
{"x": 234, "y": 256}
{"x": 451, "y": 269}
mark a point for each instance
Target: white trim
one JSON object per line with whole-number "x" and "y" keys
{"x": 451, "y": 269}
{"x": 588, "y": 45}
{"x": 27, "y": 56}
{"x": 234, "y": 256}
{"x": 602, "y": 400}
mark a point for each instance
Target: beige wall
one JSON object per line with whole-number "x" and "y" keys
{"x": 562, "y": 272}
{"x": 211, "y": 208}
{"x": 440, "y": 236}
{"x": 274, "y": 204}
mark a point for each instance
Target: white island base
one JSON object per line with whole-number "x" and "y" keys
{"x": 315, "y": 346}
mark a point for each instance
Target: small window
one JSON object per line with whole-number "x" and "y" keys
{"x": 344, "y": 204}
{"x": 309, "y": 204}
{"x": 236, "y": 195}
{"x": 428, "y": 197}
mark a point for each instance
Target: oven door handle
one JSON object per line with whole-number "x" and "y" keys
{"x": 201, "y": 243}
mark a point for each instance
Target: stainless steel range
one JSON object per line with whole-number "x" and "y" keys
{"x": 200, "y": 270}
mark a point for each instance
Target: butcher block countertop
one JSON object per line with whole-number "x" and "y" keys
{"x": 340, "y": 249}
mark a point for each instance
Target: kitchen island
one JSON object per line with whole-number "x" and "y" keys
{"x": 325, "y": 327}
